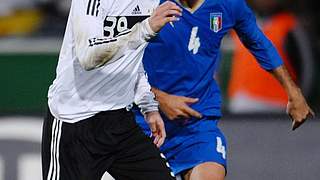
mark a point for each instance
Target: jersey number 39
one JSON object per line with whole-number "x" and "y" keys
{"x": 113, "y": 25}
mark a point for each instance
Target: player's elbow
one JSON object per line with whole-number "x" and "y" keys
{"x": 88, "y": 63}
{"x": 86, "y": 66}
{"x": 91, "y": 60}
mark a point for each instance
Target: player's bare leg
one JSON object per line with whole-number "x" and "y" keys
{"x": 206, "y": 171}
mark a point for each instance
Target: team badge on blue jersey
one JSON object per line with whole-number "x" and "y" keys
{"x": 215, "y": 22}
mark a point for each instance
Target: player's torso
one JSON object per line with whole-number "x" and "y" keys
{"x": 77, "y": 93}
{"x": 187, "y": 51}
{"x": 122, "y": 15}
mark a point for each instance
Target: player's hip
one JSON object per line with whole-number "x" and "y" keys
{"x": 185, "y": 151}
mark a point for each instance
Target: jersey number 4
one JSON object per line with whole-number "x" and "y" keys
{"x": 221, "y": 148}
{"x": 194, "y": 42}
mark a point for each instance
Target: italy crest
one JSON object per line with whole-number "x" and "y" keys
{"x": 215, "y": 22}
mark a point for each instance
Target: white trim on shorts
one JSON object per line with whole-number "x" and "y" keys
{"x": 54, "y": 168}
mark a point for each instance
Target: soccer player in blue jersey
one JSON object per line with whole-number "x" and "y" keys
{"x": 181, "y": 62}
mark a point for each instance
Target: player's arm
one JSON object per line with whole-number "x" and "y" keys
{"x": 145, "y": 100}
{"x": 269, "y": 59}
{"x": 94, "y": 50}
{"x": 253, "y": 38}
{"x": 297, "y": 108}
{"x": 176, "y": 107}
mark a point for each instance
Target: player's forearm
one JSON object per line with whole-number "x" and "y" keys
{"x": 144, "y": 98}
{"x": 99, "y": 51}
{"x": 147, "y": 103}
{"x": 297, "y": 108}
{"x": 282, "y": 75}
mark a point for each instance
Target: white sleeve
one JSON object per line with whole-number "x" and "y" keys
{"x": 92, "y": 48}
{"x": 144, "y": 97}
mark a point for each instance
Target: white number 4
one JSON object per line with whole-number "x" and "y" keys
{"x": 220, "y": 148}
{"x": 194, "y": 42}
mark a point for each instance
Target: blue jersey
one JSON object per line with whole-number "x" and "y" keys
{"x": 183, "y": 58}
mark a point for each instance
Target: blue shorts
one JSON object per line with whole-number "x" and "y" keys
{"x": 191, "y": 143}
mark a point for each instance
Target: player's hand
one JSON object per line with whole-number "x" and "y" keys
{"x": 298, "y": 110}
{"x": 166, "y": 12}
{"x": 176, "y": 107}
{"x": 157, "y": 128}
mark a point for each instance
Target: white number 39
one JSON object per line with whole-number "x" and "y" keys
{"x": 220, "y": 148}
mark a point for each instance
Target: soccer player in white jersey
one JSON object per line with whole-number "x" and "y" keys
{"x": 89, "y": 128}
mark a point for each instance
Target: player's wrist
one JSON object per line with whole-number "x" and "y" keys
{"x": 147, "y": 30}
{"x": 294, "y": 93}
{"x": 159, "y": 95}
{"x": 149, "y": 104}
{"x": 151, "y": 113}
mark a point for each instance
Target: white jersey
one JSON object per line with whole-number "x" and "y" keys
{"x": 100, "y": 66}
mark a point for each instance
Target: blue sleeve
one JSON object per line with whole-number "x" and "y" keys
{"x": 253, "y": 38}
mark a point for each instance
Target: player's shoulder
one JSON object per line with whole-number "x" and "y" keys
{"x": 234, "y": 4}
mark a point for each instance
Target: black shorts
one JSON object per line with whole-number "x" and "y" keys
{"x": 109, "y": 141}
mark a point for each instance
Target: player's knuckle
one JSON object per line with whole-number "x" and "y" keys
{"x": 171, "y": 4}
{"x": 179, "y": 114}
{"x": 166, "y": 4}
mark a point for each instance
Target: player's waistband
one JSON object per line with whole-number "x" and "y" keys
{"x": 127, "y": 109}
{"x": 117, "y": 111}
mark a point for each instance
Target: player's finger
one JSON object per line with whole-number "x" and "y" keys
{"x": 290, "y": 116}
{"x": 171, "y": 19}
{"x": 294, "y": 125}
{"x": 180, "y": 113}
{"x": 168, "y": 6}
{"x": 312, "y": 113}
{"x": 297, "y": 124}
{"x": 193, "y": 113}
{"x": 171, "y": 5}
{"x": 172, "y": 13}
{"x": 190, "y": 100}
{"x": 162, "y": 133}
{"x": 153, "y": 127}
{"x": 183, "y": 115}
{"x": 160, "y": 142}
{"x": 156, "y": 139}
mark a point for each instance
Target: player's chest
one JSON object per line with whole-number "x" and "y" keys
{"x": 200, "y": 31}
{"x": 131, "y": 7}
{"x": 124, "y": 14}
